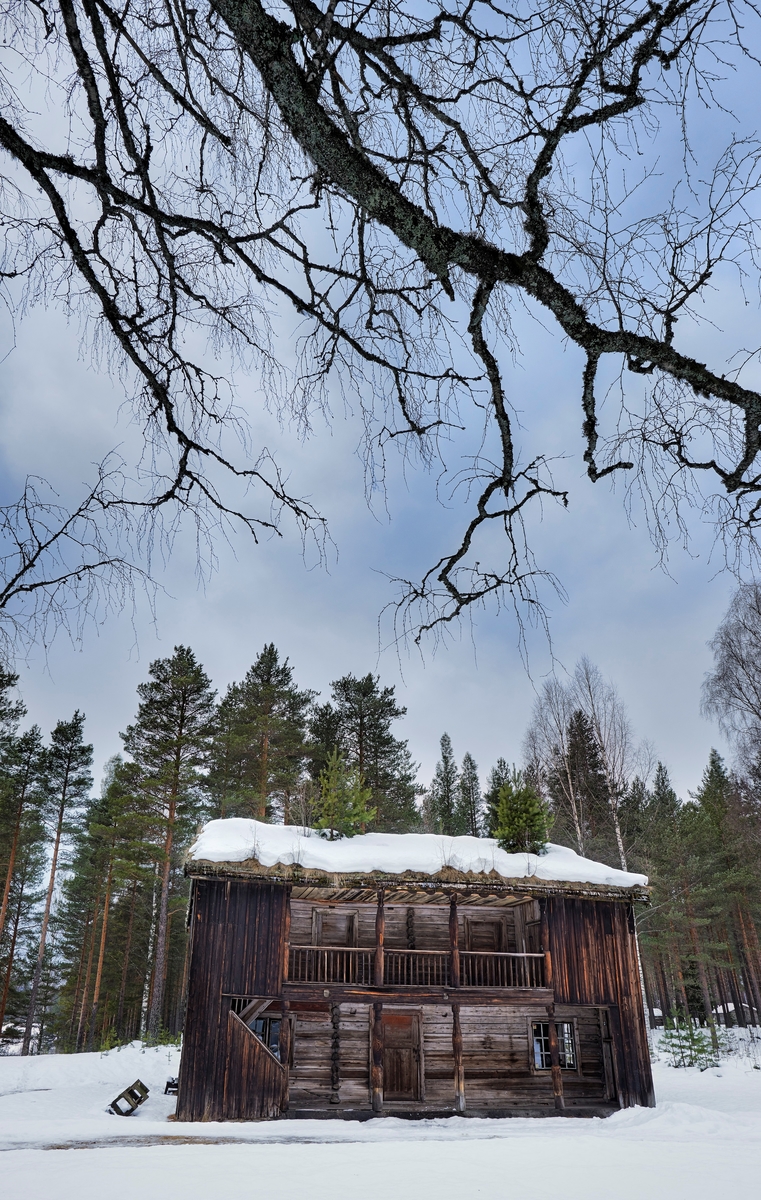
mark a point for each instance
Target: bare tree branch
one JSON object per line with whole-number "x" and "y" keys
{"x": 398, "y": 177}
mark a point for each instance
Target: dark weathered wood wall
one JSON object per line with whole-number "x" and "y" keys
{"x": 594, "y": 957}
{"x": 237, "y": 933}
{"x": 239, "y": 929}
{"x": 255, "y": 1084}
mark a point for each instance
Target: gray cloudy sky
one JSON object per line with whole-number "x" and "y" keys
{"x": 647, "y": 630}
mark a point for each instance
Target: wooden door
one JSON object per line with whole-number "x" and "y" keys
{"x": 401, "y": 1055}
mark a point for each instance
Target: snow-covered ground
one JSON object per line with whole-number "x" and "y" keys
{"x": 702, "y": 1141}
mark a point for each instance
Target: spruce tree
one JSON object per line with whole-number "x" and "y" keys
{"x": 469, "y": 806}
{"x": 522, "y": 817}
{"x": 579, "y": 795}
{"x": 170, "y": 744}
{"x": 497, "y": 777}
{"x": 258, "y": 752}
{"x": 343, "y": 806}
{"x": 358, "y": 723}
{"x": 441, "y": 802}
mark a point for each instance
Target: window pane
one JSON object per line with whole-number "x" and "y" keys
{"x": 565, "y": 1045}
{"x": 541, "y": 1033}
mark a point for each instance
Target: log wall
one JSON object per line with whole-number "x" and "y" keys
{"x": 497, "y": 1059}
{"x": 425, "y": 925}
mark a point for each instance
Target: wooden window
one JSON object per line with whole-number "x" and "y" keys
{"x": 267, "y": 1029}
{"x": 540, "y": 1045}
{"x": 334, "y": 927}
{"x": 487, "y": 934}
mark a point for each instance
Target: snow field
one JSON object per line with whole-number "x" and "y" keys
{"x": 703, "y": 1142}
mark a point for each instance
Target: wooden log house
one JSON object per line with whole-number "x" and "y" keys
{"x": 407, "y": 975}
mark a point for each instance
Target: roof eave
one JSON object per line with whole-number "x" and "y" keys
{"x": 446, "y": 880}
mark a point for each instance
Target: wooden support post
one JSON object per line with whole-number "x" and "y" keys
{"x": 454, "y": 943}
{"x": 285, "y": 1049}
{"x": 287, "y": 935}
{"x": 380, "y": 935}
{"x": 376, "y": 1069}
{"x": 459, "y": 1077}
{"x": 549, "y": 982}
{"x": 545, "y": 937}
{"x": 557, "y": 1074}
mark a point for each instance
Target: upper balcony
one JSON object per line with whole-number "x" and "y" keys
{"x": 363, "y": 967}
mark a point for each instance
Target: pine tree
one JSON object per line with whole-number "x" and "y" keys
{"x": 170, "y": 744}
{"x": 258, "y": 752}
{"x": 522, "y": 818}
{"x": 19, "y": 944}
{"x": 344, "y": 804}
{"x": 469, "y": 806}
{"x": 67, "y": 781}
{"x": 22, "y": 763}
{"x": 497, "y": 777}
{"x": 358, "y": 724}
{"x": 442, "y": 799}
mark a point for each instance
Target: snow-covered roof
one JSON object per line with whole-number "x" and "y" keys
{"x": 301, "y": 851}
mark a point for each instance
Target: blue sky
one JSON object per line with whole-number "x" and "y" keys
{"x": 645, "y": 628}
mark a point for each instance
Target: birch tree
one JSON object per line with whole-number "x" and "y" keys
{"x": 471, "y": 162}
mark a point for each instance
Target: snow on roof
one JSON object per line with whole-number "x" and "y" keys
{"x": 238, "y": 840}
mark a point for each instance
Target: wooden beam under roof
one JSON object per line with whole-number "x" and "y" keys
{"x": 406, "y": 888}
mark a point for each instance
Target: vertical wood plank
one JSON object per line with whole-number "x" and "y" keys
{"x": 459, "y": 1075}
{"x": 376, "y": 1069}
{"x": 454, "y": 942}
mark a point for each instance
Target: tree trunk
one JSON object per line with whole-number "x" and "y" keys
{"x": 703, "y": 981}
{"x": 101, "y": 954}
{"x": 148, "y": 978}
{"x": 125, "y": 963}
{"x": 12, "y": 860}
{"x": 619, "y": 838}
{"x": 11, "y": 953}
{"x": 88, "y": 973}
{"x": 676, "y": 967}
{"x": 44, "y": 931}
{"x": 751, "y": 978}
{"x": 75, "y": 1000}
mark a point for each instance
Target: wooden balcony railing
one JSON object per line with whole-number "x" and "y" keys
{"x": 331, "y": 964}
{"x": 485, "y": 969}
{"x": 414, "y": 968}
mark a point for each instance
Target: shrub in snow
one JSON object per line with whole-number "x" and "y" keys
{"x": 523, "y": 821}
{"x": 685, "y": 1045}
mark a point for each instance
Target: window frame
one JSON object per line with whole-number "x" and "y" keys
{"x": 543, "y": 1020}
{"x": 352, "y": 925}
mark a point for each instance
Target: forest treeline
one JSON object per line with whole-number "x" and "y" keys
{"x": 93, "y": 940}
